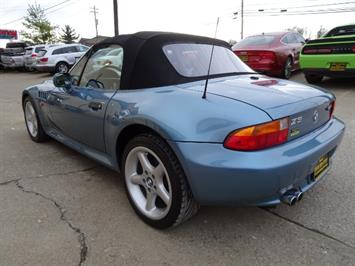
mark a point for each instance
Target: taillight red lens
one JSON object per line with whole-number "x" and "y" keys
{"x": 44, "y": 59}
{"x": 317, "y": 51}
{"x": 353, "y": 49}
{"x": 331, "y": 109}
{"x": 33, "y": 55}
{"x": 266, "y": 55}
{"x": 258, "y": 137}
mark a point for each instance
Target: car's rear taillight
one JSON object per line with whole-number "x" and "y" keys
{"x": 33, "y": 55}
{"x": 353, "y": 49}
{"x": 331, "y": 109}
{"x": 310, "y": 50}
{"x": 43, "y": 60}
{"x": 258, "y": 137}
{"x": 267, "y": 55}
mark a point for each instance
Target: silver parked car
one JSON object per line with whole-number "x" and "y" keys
{"x": 30, "y": 57}
{"x": 59, "y": 59}
{"x": 12, "y": 55}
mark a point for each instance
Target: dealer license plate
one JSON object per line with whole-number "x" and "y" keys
{"x": 321, "y": 166}
{"x": 338, "y": 66}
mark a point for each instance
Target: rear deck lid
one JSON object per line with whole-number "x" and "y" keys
{"x": 307, "y": 107}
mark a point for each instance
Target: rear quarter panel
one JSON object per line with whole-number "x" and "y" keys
{"x": 178, "y": 115}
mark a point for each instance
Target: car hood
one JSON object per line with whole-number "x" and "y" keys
{"x": 278, "y": 98}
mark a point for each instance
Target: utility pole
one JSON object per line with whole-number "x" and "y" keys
{"x": 242, "y": 20}
{"x": 95, "y": 11}
{"x": 115, "y": 16}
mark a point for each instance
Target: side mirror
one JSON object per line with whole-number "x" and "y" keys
{"x": 62, "y": 80}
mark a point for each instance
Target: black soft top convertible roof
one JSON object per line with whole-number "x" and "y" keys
{"x": 144, "y": 62}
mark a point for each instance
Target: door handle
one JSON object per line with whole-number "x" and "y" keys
{"x": 95, "y": 106}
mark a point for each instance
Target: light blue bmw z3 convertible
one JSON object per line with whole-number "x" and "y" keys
{"x": 187, "y": 124}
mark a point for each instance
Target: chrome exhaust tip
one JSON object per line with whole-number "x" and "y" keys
{"x": 299, "y": 195}
{"x": 289, "y": 198}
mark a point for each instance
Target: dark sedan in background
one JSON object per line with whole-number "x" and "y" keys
{"x": 275, "y": 54}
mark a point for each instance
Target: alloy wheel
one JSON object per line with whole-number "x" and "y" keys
{"x": 288, "y": 69}
{"x": 63, "y": 68}
{"x": 31, "y": 119}
{"x": 148, "y": 183}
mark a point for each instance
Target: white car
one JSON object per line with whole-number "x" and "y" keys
{"x": 30, "y": 57}
{"x": 59, "y": 59}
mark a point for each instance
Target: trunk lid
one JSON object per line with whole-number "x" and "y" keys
{"x": 307, "y": 107}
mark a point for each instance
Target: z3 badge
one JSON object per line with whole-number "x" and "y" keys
{"x": 296, "y": 120}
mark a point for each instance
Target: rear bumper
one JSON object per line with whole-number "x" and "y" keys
{"x": 268, "y": 69}
{"x": 321, "y": 64}
{"x": 218, "y": 176}
{"x": 12, "y": 65}
{"x": 44, "y": 68}
{"x": 348, "y": 73}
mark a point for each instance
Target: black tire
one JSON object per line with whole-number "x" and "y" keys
{"x": 287, "y": 70}
{"x": 313, "y": 79}
{"x": 41, "y": 136}
{"x": 62, "y": 67}
{"x": 183, "y": 205}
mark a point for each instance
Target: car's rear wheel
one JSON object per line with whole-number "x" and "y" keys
{"x": 33, "y": 124}
{"x": 313, "y": 79}
{"x": 287, "y": 71}
{"x": 155, "y": 182}
{"x": 62, "y": 67}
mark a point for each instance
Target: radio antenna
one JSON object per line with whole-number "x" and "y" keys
{"x": 209, "y": 65}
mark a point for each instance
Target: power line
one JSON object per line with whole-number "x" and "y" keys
{"x": 278, "y": 3}
{"x": 46, "y": 9}
{"x": 301, "y": 7}
{"x": 301, "y": 13}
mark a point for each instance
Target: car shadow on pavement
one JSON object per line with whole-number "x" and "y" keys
{"x": 333, "y": 83}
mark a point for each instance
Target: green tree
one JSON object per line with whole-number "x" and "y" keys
{"x": 38, "y": 28}
{"x": 68, "y": 35}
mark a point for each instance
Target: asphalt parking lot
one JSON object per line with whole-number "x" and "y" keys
{"x": 59, "y": 208}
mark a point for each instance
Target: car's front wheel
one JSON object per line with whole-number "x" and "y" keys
{"x": 33, "y": 124}
{"x": 155, "y": 182}
{"x": 313, "y": 79}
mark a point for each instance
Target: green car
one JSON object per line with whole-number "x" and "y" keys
{"x": 333, "y": 55}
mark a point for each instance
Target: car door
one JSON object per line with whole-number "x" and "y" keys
{"x": 71, "y": 54}
{"x": 79, "y": 112}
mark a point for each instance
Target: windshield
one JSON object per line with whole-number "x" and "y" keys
{"x": 259, "y": 40}
{"x": 192, "y": 60}
{"x": 346, "y": 30}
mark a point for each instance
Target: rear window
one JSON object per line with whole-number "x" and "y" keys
{"x": 345, "y": 30}
{"x": 192, "y": 60}
{"x": 42, "y": 53}
{"x": 259, "y": 40}
{"x": 15, "y": 45}
{"x": 28, "y": 51}
{"x": 39, "y": 48}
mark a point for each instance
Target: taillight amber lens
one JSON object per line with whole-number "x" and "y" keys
{"x": 258, "y": 137}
